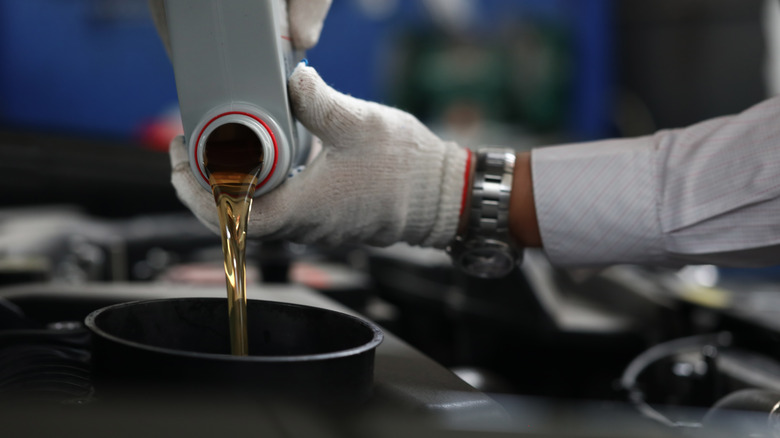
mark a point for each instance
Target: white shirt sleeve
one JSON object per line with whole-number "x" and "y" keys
{"x": 709, "y": 193}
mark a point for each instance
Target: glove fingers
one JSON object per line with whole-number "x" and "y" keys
{"x": 273, "y": 214}
{"x": 190, "y": 193}
{"x": 306, "y": 18}
{"x": 325, "y": 112}
{"x": 178, "y": 153}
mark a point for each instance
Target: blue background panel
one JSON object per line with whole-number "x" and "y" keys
{"x": 87, "y": 66}
{"x": 97, "y": 67}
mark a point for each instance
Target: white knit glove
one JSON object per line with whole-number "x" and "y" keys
{"x": 306, "y": 18}
{"x": 381, "y": 177}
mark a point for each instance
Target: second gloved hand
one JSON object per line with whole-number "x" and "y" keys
{"x": 381, "y": 177}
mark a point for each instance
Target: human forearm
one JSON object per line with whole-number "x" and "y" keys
{"x": 523, "y": 224}
{"x": 709, "y": 193}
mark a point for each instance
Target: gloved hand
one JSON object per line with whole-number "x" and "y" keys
{"x": 381, "y": 177}
{"x": 306, "y": 18}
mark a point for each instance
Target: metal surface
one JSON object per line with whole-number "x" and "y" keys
{"x": 486, "y": 249}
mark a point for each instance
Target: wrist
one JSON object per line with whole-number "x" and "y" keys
{"x": 523, "y": 224}
{"x": 435, "y": 224}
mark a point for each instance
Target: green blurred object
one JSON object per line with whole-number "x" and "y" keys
{"x": 519, "y": 78}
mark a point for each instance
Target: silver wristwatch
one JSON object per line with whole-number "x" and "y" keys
{"x": 485, "y": 250}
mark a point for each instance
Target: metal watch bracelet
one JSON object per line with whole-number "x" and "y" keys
{"x": 486, "y": 249}
{"x": 489, "y": 212}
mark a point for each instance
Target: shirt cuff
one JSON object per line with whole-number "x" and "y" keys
{"x": 596, "y": 202}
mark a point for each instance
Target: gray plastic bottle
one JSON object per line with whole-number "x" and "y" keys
{"x": 231, "y": 60}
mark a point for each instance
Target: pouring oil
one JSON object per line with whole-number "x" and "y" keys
{"x": 234, "y": 159}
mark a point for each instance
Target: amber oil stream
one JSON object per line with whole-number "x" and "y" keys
{"x": 233, "y": 161}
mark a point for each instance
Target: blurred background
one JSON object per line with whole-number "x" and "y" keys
{"x": 88, "y": 105}
{"x": 522, "y": 73}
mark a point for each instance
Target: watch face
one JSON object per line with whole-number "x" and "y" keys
{"x": 487, "y": 262}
